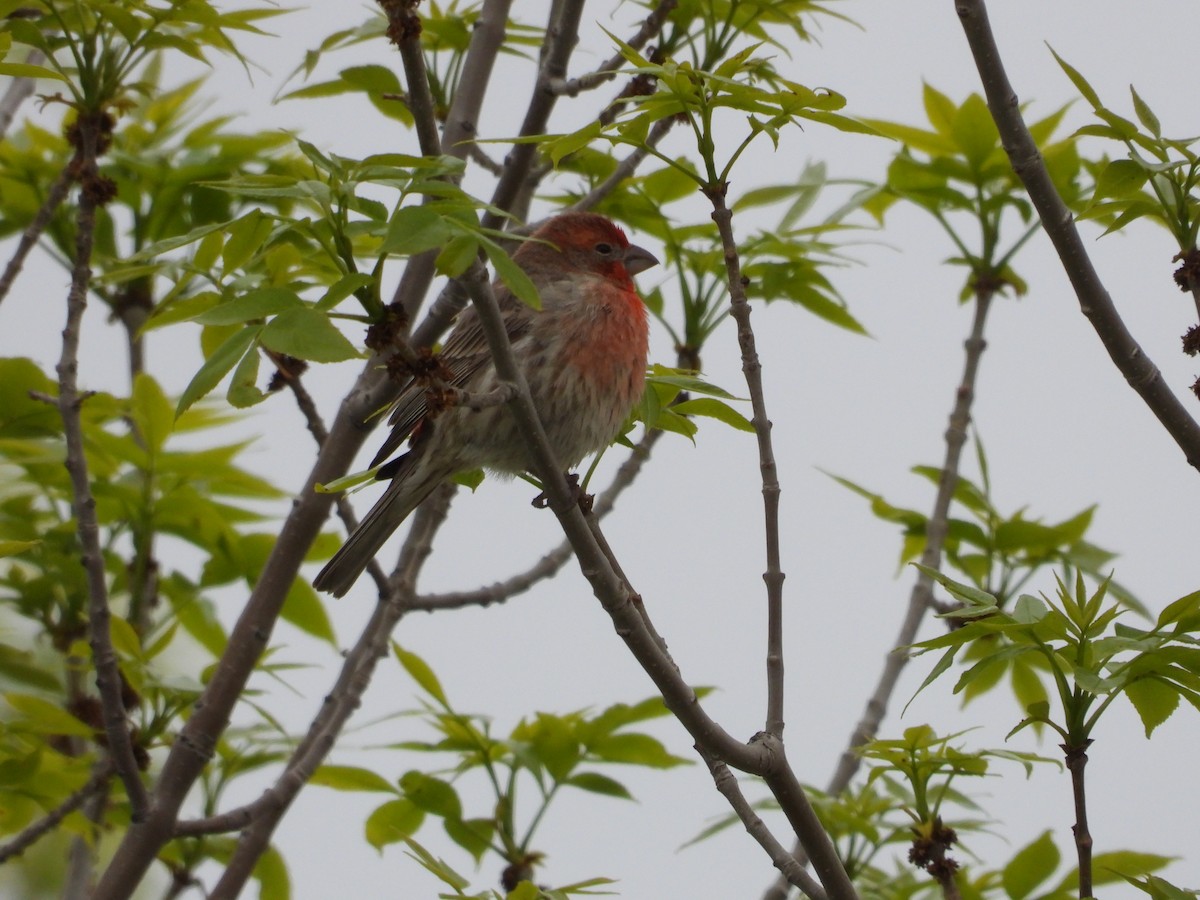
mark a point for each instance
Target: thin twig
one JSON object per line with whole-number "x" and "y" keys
{"x": 104, "y": 657}
{"x": 19, "y": 90}
{"x": 1094, "y": 301}
{"x": 29, "y": 237}
{"x": 290, "y": 376}
{"x": 29, "y": 835}
{"x": 651, "y": 26}
{"x": 626, "y": 167}
{"x": 936, "y": 528}
{"x": 921, "y": 597}
{"x": 752, "y": 369}
{"x": 260, "y": 819}
{"x": 1076, "y": 763}
{"x": 372, "y": 390}
{"x": 562, "y": 33}
{"x": 764, "y": 755}
{"x": 789, "y": 867}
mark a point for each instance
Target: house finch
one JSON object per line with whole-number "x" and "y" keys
{"x": 583, "y": 354}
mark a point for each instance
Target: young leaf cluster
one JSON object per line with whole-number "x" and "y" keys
{"x": 540, "y": 756}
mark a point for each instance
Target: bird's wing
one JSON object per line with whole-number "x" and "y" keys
{"x": 465, "y": 354}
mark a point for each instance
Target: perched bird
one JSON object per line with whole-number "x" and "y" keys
{"x": 583, "y": 354}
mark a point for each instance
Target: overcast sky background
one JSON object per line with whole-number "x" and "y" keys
{"x": 1061, "y": 428}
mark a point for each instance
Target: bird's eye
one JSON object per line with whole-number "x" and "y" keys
{"x": 604, "y": 249}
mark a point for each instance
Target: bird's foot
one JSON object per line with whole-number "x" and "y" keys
{"x": 585, "y": 500}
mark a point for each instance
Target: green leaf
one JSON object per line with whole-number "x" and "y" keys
{"x": 421, "y": 673}
{"x": 43, "y": 717}
{"x": 244, "y": 238}
{"x": 415, "y": 229}
{"x": 217, "y": 366}
{"x": 599, "y": 784}
{"x": 473, "y": 835}
{"x": 304, "y": 609}
{"x": 714, "y": 409}
{"x": 307, "y": 334}
{"x": 393, "y": 822}
{"x": 965, "y": 592}
{"x": 1154, "y": 699}
{"x": 525, "y": 890}
{"x": 351, "y": 778}
{"x": 637, "y": 749}
{"x": 975, "y": 132}
{"x": 1031, "y": 866}
{"x": 272, "y": 876}
{"x": 1079, "y": 81}
{"x": 1121, "y": 178}
{"x": 22, "y": 667}
{"x": 243, "y": 387}
{"x": 1145, "y": 115}
{"x": 343, "y": 288}
{"x": 257, "y": 304}
{"x": 152, "y": 413}
{"x": 512, "y": 275}
{"x": 21, "y": 416}
{"x": 431, "y": 794}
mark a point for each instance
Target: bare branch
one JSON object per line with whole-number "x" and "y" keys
{"x": 290, "y": 375}
{"x": 626, "y": 167}
{"x": 1077, "y": 762}
{"x": 1094, "y": 301}
{"x": 28, "y": 836}
{"x": 562, "y": 32}
{"x": 104, "y": 658}
{"x": 19, "y": 90}
{"x": 552, "y": 562}
{"x": 921, "y": 597}
{"x": 260, "y": 818}
{"x": 651, "y": 26}
{"x": 789, "y": 867}
{"x": 29, "y": 237}
{"x": 752, "y": 369}
{"x": 210, "y": 716}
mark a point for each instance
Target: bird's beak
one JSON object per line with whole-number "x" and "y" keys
{"x": 638, "y": 260}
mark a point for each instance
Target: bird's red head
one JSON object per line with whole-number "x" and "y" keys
{"x": 588, "y": 242}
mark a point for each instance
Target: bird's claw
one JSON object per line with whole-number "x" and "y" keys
{"x": 585, "y": 500}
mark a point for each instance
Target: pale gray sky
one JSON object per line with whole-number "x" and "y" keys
{"x": 1061, "y": 428}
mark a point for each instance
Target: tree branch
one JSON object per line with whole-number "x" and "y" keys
{"x": 28, "y": 836}
{"x": 921, "y": 598}
{"x": 552, "y": 562}
{"x": 651, "y": 26}
{"x": 1094, "y": 301}
{"x": 194, "y": 746}
{"x": 789, "y": 867}
{"x": 764, "y": 755}
{"x": 29, "y": 237}
{"x": 1076, "y": 762}
{"x": 260, "y": 819}
{"x": 752, "y": 369}
{"x": 562, "y": 33}
{"x": 625, "y": 168}
{"x": 104, "y": 658}
{"x": 19, "y": 90}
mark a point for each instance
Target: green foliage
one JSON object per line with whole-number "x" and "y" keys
{"x": 1090, "y": 657}
{"x": 546, "y": 752}
{"x": 994, "y": 552}
{"x": 94, "y": 48}
{"x": 1158, "y": 179}
{"x": 958, "y": 167}
{"x": 702, "y": 98}
{"x": 928, "y": 764}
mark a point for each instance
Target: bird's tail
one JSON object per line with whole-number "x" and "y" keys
{"x": 404, "y": 494}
